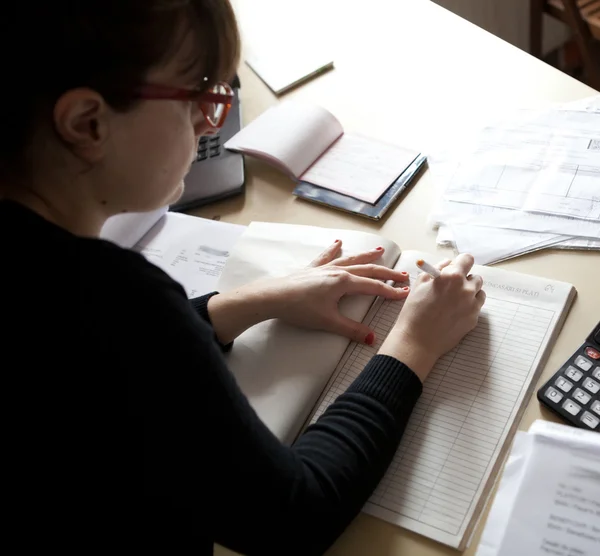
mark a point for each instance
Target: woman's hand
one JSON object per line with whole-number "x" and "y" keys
{"x": 309, "y": 298}
{"x": 437, "y": 315}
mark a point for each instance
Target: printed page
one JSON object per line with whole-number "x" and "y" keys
{"x": 492, "y": 245}
{"x": 472, "y": 400}
{"x": 450, "y": 212}
{"x": 127, "y": 229}
{"x": 283, "y": 369}
{"x": 290, "y": 136}
{"x": 548, "y": 500}
{"x": 191, "y": 250}
{"x": 359, "y": 167}
{"x": 546, "y": 161}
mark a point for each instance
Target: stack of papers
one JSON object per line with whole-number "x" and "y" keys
{"x": 530, "y": 182}
{"x": 548, "y": 501}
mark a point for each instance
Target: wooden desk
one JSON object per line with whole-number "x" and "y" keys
{"x": 437, "y": 77}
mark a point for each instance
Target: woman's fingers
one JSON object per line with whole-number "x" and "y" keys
{"x": 377, "y": 272}
{"x": 480, "y": 296}
{"x": 443, "y": 264}
{"x": 476, "y": 281}
{"x": 462, "y": 263}
{"x": 358, "y": 285}
{"x": 352, "y": 329}
{"x": 328, "y": 255}
{"x": 360, "y": 258}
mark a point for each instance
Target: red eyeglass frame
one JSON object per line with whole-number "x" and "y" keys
{"x": 164, "y": 92}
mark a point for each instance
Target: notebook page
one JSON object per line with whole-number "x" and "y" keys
{"x": 359, "y": 167}
{"x": 281, "y": 368}
{"x": 290, "y": 135}
{"x": 471, "y": 402}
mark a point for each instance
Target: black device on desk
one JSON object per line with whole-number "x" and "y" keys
{"x": 216, "y": 173}
{"x": 573, "y": 392}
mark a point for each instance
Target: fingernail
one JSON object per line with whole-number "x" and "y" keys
{"x": 370, "y": 339}
{"x": 378, "y": 248}
{"x": 336, "y": 241}
{"x": 404, "y": 273}
{"x": 406, "y": 288}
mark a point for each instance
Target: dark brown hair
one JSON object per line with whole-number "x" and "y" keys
{"x": 53, "y": 46}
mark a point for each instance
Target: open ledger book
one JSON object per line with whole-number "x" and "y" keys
{"x": 472, "y": 401}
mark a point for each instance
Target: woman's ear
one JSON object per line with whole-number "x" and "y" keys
{"x": 81, "y": 121}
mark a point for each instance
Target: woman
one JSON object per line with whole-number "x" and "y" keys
{"x": 133, "y": 436}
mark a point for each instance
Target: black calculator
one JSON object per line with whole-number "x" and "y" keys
{"x": 573, "y": 392}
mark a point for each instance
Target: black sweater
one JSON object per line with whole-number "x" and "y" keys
{"x": 128, "y": 432}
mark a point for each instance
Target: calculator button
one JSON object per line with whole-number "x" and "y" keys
{"x": 571, "y": 407}
{"x": 596, "y": 372}
{"x": 583, "y": 363}
{"x": 590, "y": 420}
{"x": 596, "y": 407}
{"x": 563, "y": 384}
{"x": 593, "y": 353}
{"x": 590, "y": 385}
{"x": 581, "y": 396}
{"x": 553, "y": 394}
{"x": 573, "y": 373}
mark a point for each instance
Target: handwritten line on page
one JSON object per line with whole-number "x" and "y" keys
{"x": 470, "y": 401}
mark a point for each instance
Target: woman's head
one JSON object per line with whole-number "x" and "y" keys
{"x": 70, "y": 103}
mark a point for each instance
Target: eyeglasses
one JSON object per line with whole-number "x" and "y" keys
{"x": 214, "y": 103}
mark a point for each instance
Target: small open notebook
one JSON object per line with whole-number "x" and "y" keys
{"x": 461, "y": 428}
{"x": 308, "y": 143}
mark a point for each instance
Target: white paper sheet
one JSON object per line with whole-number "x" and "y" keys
{"x": 492, "y": 245}
{"x": 467, "y": 216}
{"x": 589, "y": 104}
{"x": 548, "y": 501}
{"x": 283, "y": 66}
{"x": 282, "y": 369}
{"x": 191, "y": 250}
{"x": 545, "y": 161}
{"x": 449, "y": 212}
{"x": 127, "y": 229}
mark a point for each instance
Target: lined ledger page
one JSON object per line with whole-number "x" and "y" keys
{"x": 471, "y": 402}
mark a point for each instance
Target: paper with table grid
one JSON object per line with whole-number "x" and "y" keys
{"x": 471, "y": 401}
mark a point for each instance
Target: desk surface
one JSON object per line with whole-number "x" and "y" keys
{"x": 438, "y": 77}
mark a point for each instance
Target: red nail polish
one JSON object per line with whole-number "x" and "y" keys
{"x": 336, "y": 241}
{"x": 370, "y": 339}
{"x": 404, "y": 273}
{"x": 378, "y": 248}
{"x": 406, "y": 288}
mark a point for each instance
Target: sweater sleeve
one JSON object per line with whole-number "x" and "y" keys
{"x": 206, "y": 449}
{"x": 200, "y": 305}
